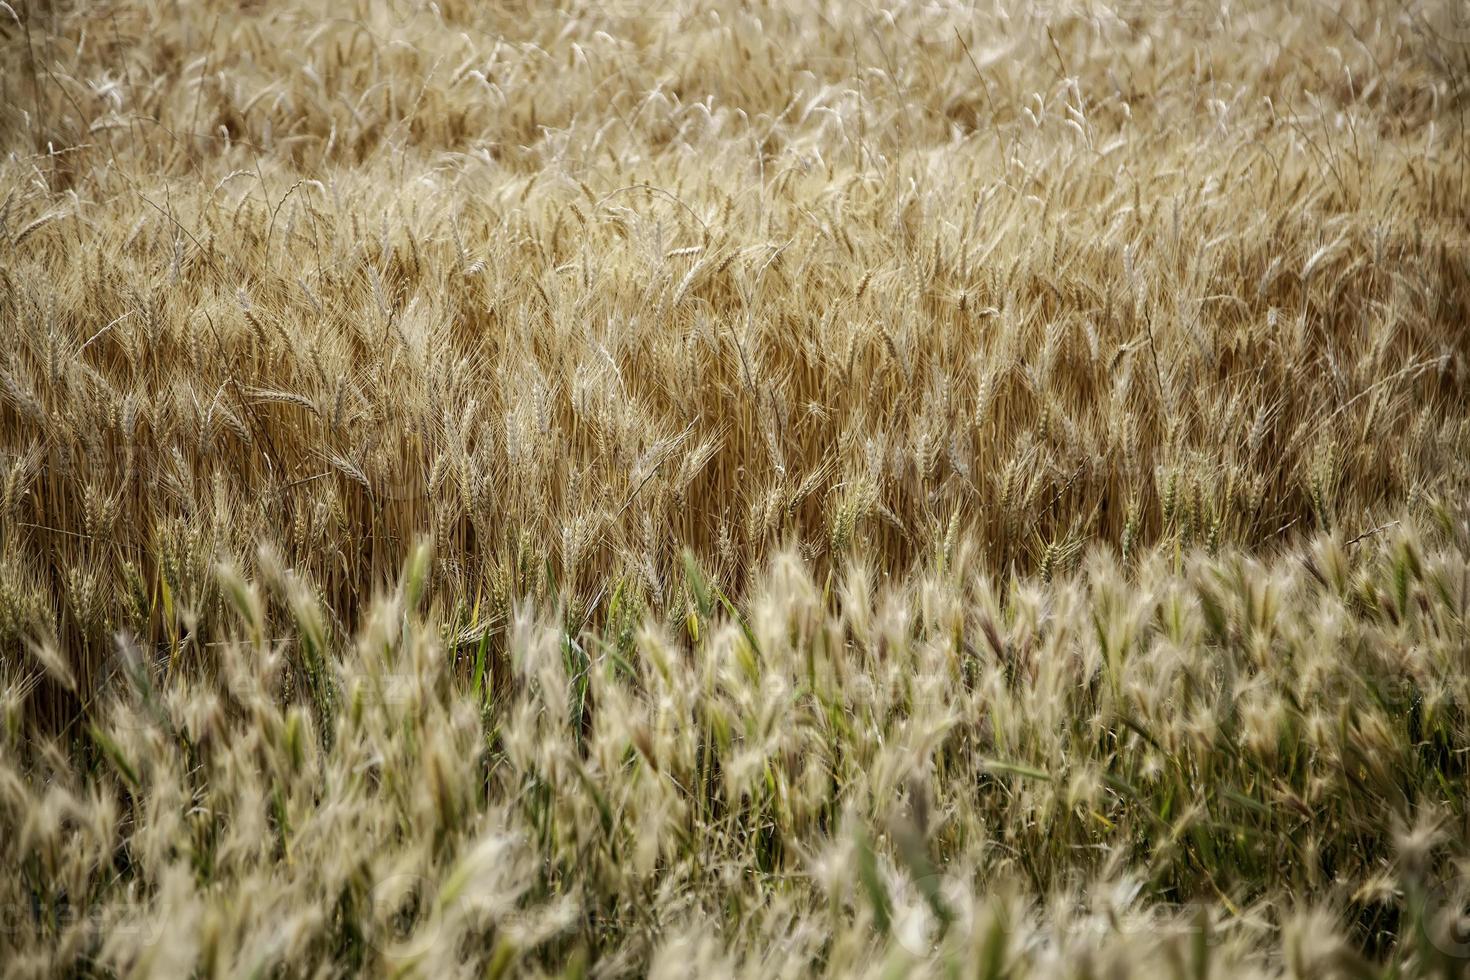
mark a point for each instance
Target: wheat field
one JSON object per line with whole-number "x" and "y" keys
{"x": 735, "y": 489}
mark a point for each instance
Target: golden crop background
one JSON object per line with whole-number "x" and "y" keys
{"x": 620, "y": 304}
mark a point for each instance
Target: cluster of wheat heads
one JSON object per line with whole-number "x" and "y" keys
{"x": 1227, "y": 768}
{"x": 576, "y": 291}
{"x": 572, "y": 290}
